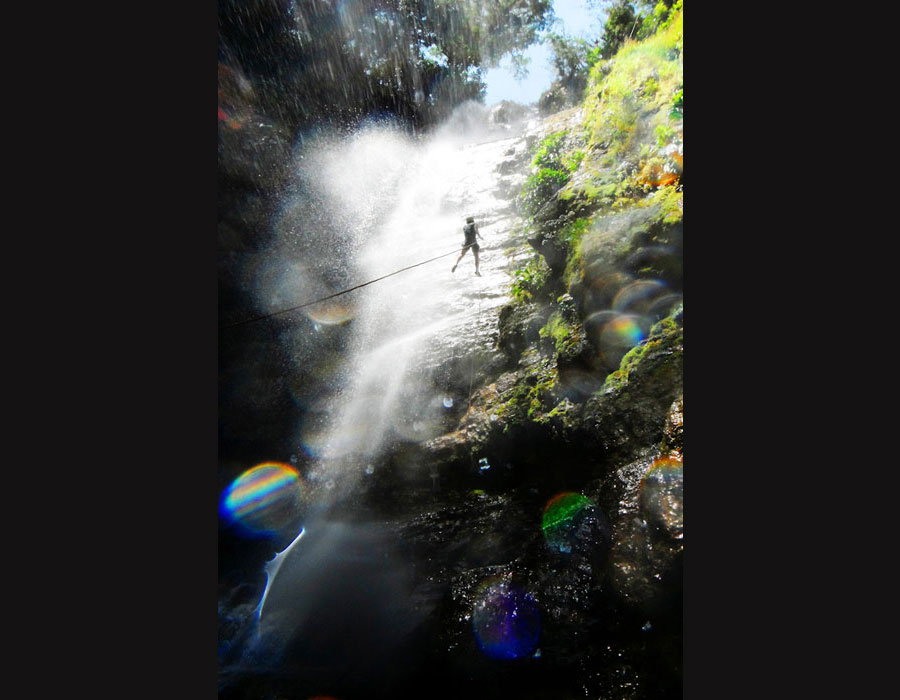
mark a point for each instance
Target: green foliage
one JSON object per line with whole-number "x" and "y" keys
{"x": 621, "y": 24}
{"x": 540, "y": 187}
{"x": 573, "y": 231}
{"x": 572, "y": 59}
{"x": 617, "y": 97}
{"x": 573, "y": 160}
{"x": 678, "y": 105}
{"x": 673, "y": 13}
{"x": 549, "y": 151}
{"x": 529, "y": 280}
{"x": 554, "y": 169}
{"x": 664, "y": 134}
{"x": 658, "y": 17}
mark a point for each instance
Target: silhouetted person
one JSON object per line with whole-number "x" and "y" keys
{"x": 470, "y": 230}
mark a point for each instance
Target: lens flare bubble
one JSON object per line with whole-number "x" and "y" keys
{"x": 626, "y": 330}
{"x": 602, "y": 287}
{"x": 448, "y": 402}
{"x": 638, "y": 296}
{"x": 614, "y": 334}
{"x": 280, "y": 283}
{"x": 330, "y": 314}
{"x": 573, "y": 522}
{"x": 662, "y": 495}
{"x": 506, "y": 620}
{"x": 596, "y": 322}
{"x": 263, "y": 499}
{"x": 663, "y": 306}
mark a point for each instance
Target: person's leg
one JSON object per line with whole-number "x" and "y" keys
{"x": 475, "y": 253}
{"x": 453, "y": 269}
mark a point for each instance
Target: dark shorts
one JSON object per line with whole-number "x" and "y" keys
{"x": 472, "y": 246}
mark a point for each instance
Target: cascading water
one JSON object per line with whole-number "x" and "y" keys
{"x": 403, "y": 202}
{"x": 409, "y": 323}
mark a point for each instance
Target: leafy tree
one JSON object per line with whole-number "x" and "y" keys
{"x": 572, "y": 60}
{"x": 621, "y": 24}
{"x": 632, "y": 20}
{"x": 313, "y": 59}
{"x": 656, "y": 16}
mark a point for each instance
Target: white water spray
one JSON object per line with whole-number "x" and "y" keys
{"x": 446, "y": 177}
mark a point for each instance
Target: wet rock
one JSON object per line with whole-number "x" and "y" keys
{"x": 519, "y": 325}
{"x": 554, "y": 99}
{"x": 508, "y": 112}
{"x": 631, "y": 410}
{"x": 646, "y": 558}
{"x": 254, "y": 151}
{"x": 662, "y": 499}
{"x": 673, "y": 433}
{"x": 553, "y": 251}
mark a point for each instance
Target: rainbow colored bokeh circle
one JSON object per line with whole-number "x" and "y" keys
{"x": 264, "y": 499}
{"x": 506, "y": 620}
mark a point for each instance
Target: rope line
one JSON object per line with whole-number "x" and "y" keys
{"x": 337, "y": 294}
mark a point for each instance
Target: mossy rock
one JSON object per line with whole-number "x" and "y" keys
{"x": 519, "y": 326}
{"x": 631, "y": 410}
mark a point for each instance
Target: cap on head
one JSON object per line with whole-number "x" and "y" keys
{"x": 470, "y": 219}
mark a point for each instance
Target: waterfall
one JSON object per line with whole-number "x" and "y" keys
{"x": 398, "y": 202}
{"x": 427, "y": 315}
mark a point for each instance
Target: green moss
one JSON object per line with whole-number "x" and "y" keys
{"x": 660, "y": 334}
{"x": 574, "y": 272}
{"x": 670, "y": 200}
{"x": 573, "y": 231}
{"x": 530, "y": 396}
{"x": 595, "y": 188}
{"x": 562, "y": 332}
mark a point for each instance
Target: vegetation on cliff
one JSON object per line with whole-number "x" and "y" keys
{"x": 605, "y": 208}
